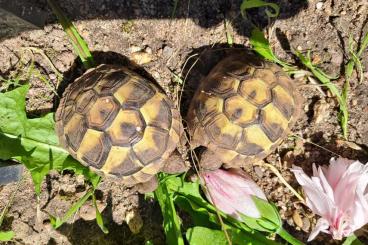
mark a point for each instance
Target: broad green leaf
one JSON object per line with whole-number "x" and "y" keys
{"x": 6, "y": 236}
{"x": 171, "y": 219}
{"x": 204, "y": 236}
{"x": 200, "y": 215}
{"x": 248, "y": 4}
{"x": 99, "y": 218}
{"x": 187, "y": 196}
{"x": 288, "y": 237}
{"x": 79, "y": 45}
{"x": 252, "y": 238}
{"x": 268, "y": 212}
{"x": 33, "y": 142}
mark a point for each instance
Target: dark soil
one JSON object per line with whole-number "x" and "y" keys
{"x": 166, "y": 38}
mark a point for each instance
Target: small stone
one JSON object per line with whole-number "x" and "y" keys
{"x": 167, "y": 51}
{"x": 141, "y": 58}
{"x": 319, "y": 5}
{"x": 306, "y": 224}
{"x": 258, "y": 171}
{"x": 52, "y": 76}
{"x": 134, "y": 221}
{"x": 156, "y": 75}
{"x": 320, "y": 111}
{"x": 297, "y": 219}
{"x": 148, "y": 50}
{"x": 134, "y": 49}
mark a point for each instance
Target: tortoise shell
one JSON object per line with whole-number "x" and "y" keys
{"x": 243, "y": 109}
{"x": 118, "y": 123}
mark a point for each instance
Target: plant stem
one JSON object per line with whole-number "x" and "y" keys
{"x": 288, "y": 237}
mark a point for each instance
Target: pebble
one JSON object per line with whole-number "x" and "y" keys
{"x": 258, "y": 171}
{"x": 134, "y": 221}
{"x": 167, "y": 51}
{"x": 134, "y": 49}
{"x": 319, "y": 5}
{"x": 141, "y": 58}
{"x": 306, "y": 224}
{"x": 148, "y": 50}
{"x": 297, "y": 219}
{"x": 320, "y": 111}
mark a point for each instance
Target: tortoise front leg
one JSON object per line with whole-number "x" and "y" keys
{"x": 175, "y": 164}
{"x": 148, "y": 186}
{"x": 209, "y": 160}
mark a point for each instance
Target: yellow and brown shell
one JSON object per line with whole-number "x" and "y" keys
{"x": 118, "y": 123}
{"x": 243, "y": 109}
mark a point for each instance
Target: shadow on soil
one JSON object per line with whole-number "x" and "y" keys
{"x": 204, "y": 13}
{"x": 84, "y": 232}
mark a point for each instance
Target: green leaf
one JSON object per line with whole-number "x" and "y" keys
{"x": 171, "y": 219}
{"x": 261, "y": 45}
{"x": 187, "y": 196}
{"x": 248, "y": 4}
{"x": 33, "y": 142}
{"x": 79, "y": 45}
{"x": 204, "y": 236}
{"x": 6, "y": 236}
{"x": 99, "y": 218}
{"x": 352, "y": 240}
{"x": 268, "y": 211}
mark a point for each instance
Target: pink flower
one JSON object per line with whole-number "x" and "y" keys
{"x": 339, "y": 194}
{"x": 231, "y": 192}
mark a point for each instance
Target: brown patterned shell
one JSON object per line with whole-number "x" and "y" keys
{"x": 118, "y": 123}
{"x": 243, "y": 109}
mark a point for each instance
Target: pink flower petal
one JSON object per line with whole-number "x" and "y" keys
{"x": 339, "y": 194}
{"x": 231, "y": 191}
{"x": 317, "y": 200}
{"x": 321, "y": 226}
{"x": 336, "y": 170}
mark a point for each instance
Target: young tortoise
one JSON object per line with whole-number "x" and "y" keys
{"x": 120, "y": 125}
{"x": 241, "y": 111}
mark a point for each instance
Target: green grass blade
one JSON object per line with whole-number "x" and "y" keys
{"x": 79, "y": 45}
{"x": 57, "y": 222}
{"x": 99, "y": 218}
{"x": 342, "y": 100}
{"x": 364, "y": 45}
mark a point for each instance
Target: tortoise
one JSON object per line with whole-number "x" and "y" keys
{"x": 120, "y": 125}
{"x": 241, "y": 111}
